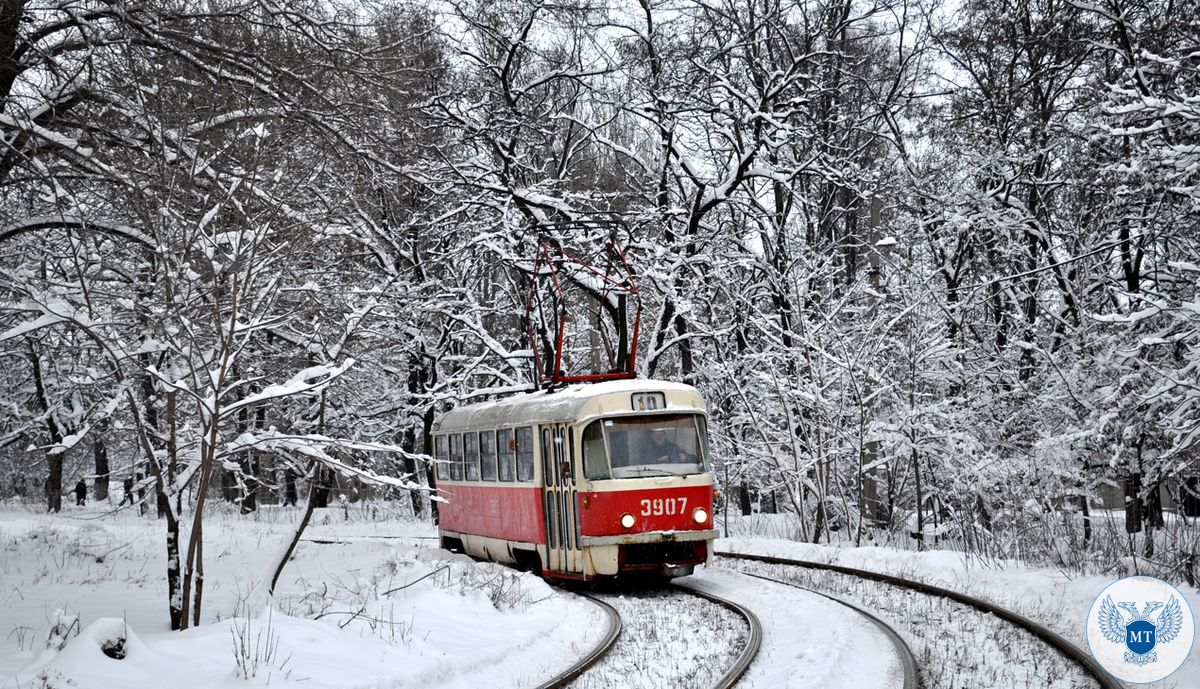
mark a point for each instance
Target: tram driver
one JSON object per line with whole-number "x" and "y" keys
{"x": 664, "y": 450}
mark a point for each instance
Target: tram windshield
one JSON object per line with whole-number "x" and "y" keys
{"x": 637, "y": 446}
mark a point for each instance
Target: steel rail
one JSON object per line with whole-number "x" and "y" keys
{"x": 743, "y": 661}
{"x": 908, "y": 662}
{"x": 358, "y": 538}
{"x": 1051, "y": 638}
{"x": 593, "y": 656}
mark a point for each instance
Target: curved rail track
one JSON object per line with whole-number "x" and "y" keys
{"x": 753, "y": 642}
{"x": 598, "y": 651}
{"x": 1064, "y": 647}
{"x": 908, "y": 662}
{"x": 730, "y": 677}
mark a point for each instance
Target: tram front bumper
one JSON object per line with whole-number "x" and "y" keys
{"x": 671, "y": 553}
{"x": 650, "y": 537}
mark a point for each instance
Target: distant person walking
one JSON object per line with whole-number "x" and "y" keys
{"x": 289, "y": 490}
{"x": 80, "y": 493}
{"x": 127, "y": 484}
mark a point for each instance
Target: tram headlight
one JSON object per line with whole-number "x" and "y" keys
{"x": 700, "y": 515}
{"x": 627, "y": 520}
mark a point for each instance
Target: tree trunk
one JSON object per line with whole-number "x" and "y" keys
{"x": 248, "y": 502}
{"x": 247, "y": 498}
{"x": 174, "y": 608}
{"x": 229, "y": 489}
{"x": 54, "y": 482}
{"x": 985, "y": 516}
{"x": 409, "y": 442}
{"x": 193, "y": 574}
{"x": 1087, "y": 520}
{"x": 920, "y": 534}
{"x": 173, "y": 449}
{"x": 52, "y": 487}
{"x": 321, "y": 478}
{"x": 309, "y": 505}
{"x": 430, "y": 475}
{"x": 1133, "y": 503}
{"x": 100, "y": 455}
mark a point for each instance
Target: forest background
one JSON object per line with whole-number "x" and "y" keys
{"x": 934, "y": 266}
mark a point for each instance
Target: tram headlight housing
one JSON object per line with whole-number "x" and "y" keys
{"x": 700, "y": 515}
{"x": 627, "y": 520}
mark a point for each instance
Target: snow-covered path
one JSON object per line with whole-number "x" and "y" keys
{"x": 809, "y": 642}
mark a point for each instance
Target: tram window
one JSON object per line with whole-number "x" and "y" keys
{"x": 652, "y": 445}
{"x": 618, "y": 447}
{"x": 595, "y": 456}
{"x": 456, "y": 470}
{"x": 551, "y": 520}
{"x": 568, "y": 462}
{"x": 471, "y": 456}
{"x": 441, "y": 453}
{"x": 507, "y": 451}
{"x": 567, "y": 530}
{"x": 525, "y": 454}
{"x": 547, "y": 459}
{"x": 487, "y": 455}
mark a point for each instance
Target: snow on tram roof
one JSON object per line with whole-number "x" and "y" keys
{"x": 542, "y": 406}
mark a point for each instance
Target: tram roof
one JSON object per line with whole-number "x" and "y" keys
{"x": 570, "y": 403}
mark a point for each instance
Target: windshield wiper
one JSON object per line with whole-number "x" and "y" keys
{"x": 662, "y": 472}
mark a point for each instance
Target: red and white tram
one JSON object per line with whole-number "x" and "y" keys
{"x": 588, "y": 481}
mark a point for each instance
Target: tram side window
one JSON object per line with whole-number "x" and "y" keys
{"x": 471, "y": 456}
{"x": 441, "y": 453}
{"x": 547, "y": 458}
{"x": 487, "y": 455}
{"x": 595, "y": 457}
{"x": 570, "y": 458}
{"x": 507, "y": 447}
{"x": 525, "y": 454}
{"x": 456, "y": 470}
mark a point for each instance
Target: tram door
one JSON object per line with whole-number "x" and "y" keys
{"x": 560, "y": 499}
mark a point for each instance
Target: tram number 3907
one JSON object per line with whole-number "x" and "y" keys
{"x": 660, "y": 506}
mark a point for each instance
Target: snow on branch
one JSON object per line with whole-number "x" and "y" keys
{"x": 42, "y": 321}
{"x": 47, "y": 222}
{"x": 53, "y": 312}
{"x": 316, "y": 446}
{"x": 311, "y": 379}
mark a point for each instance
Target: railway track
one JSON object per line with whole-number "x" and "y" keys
{"x": 1064, "y": 648}
{"x": 910, "y": 678}
{"x": 597, "y": 652}
{"x": 753, "y": 643}
{"x": 627, "y": 658}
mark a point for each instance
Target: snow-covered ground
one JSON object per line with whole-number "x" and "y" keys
{"x": 668, "y": 639}
{"x": 376, "y": 604}
{"x": 1056, "y": 598}
{"x": 392, "y": 612}
{"x": 808, "y": 641}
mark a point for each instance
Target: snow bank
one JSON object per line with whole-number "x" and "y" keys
{"x": 350, "y": 612}
{"x": 1052, "y": 597}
